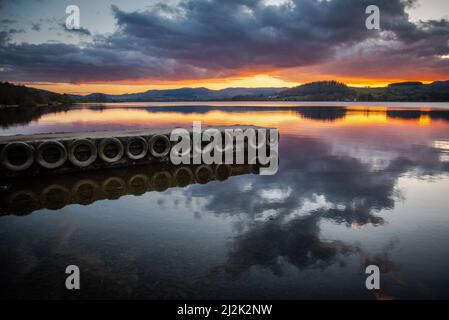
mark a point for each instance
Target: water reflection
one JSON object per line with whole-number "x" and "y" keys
{"x": 131, "y": 116}
{"x": 23, "y": 196}
{"x": 355, "y": 187}
{"x": 10, "y": 117}
{"x": 311, "y": 169}
{"x": 283, "y": 213}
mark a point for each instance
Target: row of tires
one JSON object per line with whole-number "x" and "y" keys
{"x": 52, "y": 154}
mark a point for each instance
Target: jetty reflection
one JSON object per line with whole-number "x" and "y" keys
{"x": 24, "y": 196}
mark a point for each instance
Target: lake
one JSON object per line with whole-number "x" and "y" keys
{"x": 357, "y": 185}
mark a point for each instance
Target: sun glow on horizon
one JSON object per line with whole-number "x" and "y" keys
{"x": 254, "y": 81}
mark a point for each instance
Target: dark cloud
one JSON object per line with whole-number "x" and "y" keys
{"x": 223, "y": 35}
{"x": 207, "y": 39}
{"x": 81, "y": 31}
{"x": 69, "y": 63}
{"x": 7, "y": 21}
{"x": 6, "y": 34}
{"x": 36, "y": 27}
{"x": 4, "y": 37}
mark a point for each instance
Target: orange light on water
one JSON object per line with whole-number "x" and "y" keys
{"x": 141, "y": 117}
{"x": 289, "y": 121}
{"x": 359, "y": 117}
{"x": 424, "y": 120}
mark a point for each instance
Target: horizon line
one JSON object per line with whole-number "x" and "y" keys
{"x": 61, "y": 88}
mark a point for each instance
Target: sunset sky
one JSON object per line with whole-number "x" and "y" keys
{"x": 133, "y": 46}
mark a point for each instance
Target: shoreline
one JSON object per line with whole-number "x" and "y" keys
{"x": 262, "y": 104}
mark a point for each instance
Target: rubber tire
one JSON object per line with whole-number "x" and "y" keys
{"x": 103, "y": 144}
{"x": 77, "y": 162}
{"x": 138, "y": 156}
{"x": 153, "y": 140}
{"x": 4, "y": 156}
{"x": 48, "y": 165}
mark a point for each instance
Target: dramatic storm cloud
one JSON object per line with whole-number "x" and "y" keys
{"x": 204, "y": 39}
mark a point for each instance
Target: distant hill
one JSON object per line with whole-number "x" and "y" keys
{"x": 11, "y": 94}
{"x": 437, "y": 91}
{"x": 440, "y": 83}
{"x": 405, "y": 84}
{"x": 400, "y": 92}
{"x": 320, "y": 91}
{"x": 182, "y": 94}
{"x": 406, "y": 92}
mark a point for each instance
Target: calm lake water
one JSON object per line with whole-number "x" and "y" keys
{"x": 356, "y": 186}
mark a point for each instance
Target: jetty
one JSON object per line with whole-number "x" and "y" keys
{"x": 56, "y": 153}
